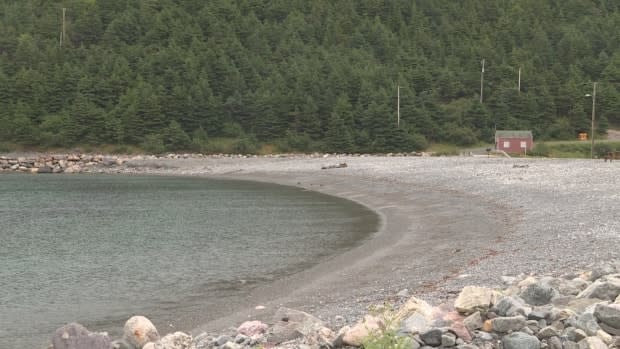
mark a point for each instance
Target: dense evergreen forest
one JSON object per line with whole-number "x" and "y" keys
{"x": 303, "y": 75}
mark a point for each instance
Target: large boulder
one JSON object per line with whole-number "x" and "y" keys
{"x": 76, "y": 336}
{"x": 291, "y": 324}
{"x": 412, "y": 306}
{"x": 592, "y": 343}
{"x": 520, "y": 340}
{"x": 539, "y": 293}
{"x": 139, "y": 330}
{"x": 606, "y": 288}
{"x": 608, "y": 314}
{"x": 473, "y": 299}
{"x": 511, "y": 306}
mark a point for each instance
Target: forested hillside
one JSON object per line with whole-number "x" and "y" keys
{"x": 303, "y": 75}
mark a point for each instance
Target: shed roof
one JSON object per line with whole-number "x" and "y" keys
{"x": 514, "y": 134}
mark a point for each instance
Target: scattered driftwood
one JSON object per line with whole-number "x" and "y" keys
{"x": 341, "y": 165}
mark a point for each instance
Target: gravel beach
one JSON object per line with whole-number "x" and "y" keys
{"x": 445, "y": 223}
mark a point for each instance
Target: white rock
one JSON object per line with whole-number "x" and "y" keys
{"x": 362, "y": 329}
{"x": 139, "y": 330}
{"x": 473, "y": 299}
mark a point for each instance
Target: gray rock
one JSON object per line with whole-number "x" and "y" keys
{"x": 473, "y": 322}
{"x": 511, "y": 306}
{"x": 520, "y": 340}
{"x": 432, "y": 337}
{"x": 570, "y": 345}
{"x": 573, "y": 287}
{"x": 484, "y": 336}
{"x": 466, "y": 346}
{"x": 585, "y": 322}
{"x": 527, "y": 330}
{"x": 538, "y": 315}
{"x": 592, "y": 343}
{"x": 231, "y": 345}
{"x": 609, "y": 329}
{"x": 448, "y": 340}
{"x": 76, "y": 336}
{"x": 547, "y": 332}
{"x": 223, "y": 339}
{"x": 605, "y": 288}
{"x": 507, "y": 324}
{"x": 573, "y": 334}
{"x": 177, "y": 340}
{"x": 416, "y": 323}
{"x": 539, "y": 293}
{"x": 600, "y": 270}
{"x": 240, "y": 339}
{"x": 45, "y": 169}
{"x": 554, "y": 342}
{"x": 608, "y": 314}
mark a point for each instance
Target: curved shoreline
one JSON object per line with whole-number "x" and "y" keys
{"x": 375, "y": 271}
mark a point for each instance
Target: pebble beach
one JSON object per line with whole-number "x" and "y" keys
{"x": 446, "y": 223}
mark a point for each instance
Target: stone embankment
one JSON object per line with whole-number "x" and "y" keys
{"x": 78, "y": 163}
{"x": 573, "y": 311}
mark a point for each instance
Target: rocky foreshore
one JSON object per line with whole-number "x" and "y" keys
{"x": 80, "y": 162}
{"x": 578, "y": 310}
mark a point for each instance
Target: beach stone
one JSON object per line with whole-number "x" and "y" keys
{"x": 538, "y": 315}
{"x": 547, "y": 332}
{"x": 473, "y": 322}
{"x": 448, "y": 340}
{"x": 223, "y": 339}
{"x": 608, "y": 314}
{"x": 472, "y": 299}
{"x": 139, "y": 330}
{"x": 45, "y": 169}
{"x": 231, "y": 345}
{"x": 604, "y": 336}
{"x": 252, "y": 328}
{"x": 585, "y": 322}
{"x": 570, "y": 345}
{"x": 539, "y": 293}
{"x": 601, "y": 269}
{"x": 574, "y": 334}
{"x": 609, "y": 329}
{"x": 291, "y": 324}
{"x": 177, "y": 340}
{"x": 554, "y": 342}
{"x": 432, "y": 337}
{"x": 76, "y": 336}
{"x": 507, "y": 324}
{"x": 511, "y": 306}
{"x": 356, "y": 334}
{"x": 416, "y": 323}
{"x": 412, "y": 306}
{"x": 592, "y": 343}
{"x": 520, "y": 340}
{"x": 580, "y": 305}
{"x": 605, "y": 288}
{"x": 573, "y": 287}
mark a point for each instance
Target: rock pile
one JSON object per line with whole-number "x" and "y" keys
{"x": 574, "y": 311}
{"x": 71, "y": 163}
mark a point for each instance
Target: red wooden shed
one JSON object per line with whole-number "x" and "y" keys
{"x": 514, "y": 141}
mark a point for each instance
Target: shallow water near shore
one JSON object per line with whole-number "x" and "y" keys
{"x": 97, "y": 249}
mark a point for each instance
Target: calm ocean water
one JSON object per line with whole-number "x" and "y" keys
{"x": 98, "y": 249}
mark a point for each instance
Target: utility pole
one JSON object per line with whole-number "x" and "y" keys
{"x": 398, "y": 107}
{"x": 593, "y": 115}
{"x": 519, "y": 84}
{"x": 481, "y": 81}
{"x": 63, "y": 32}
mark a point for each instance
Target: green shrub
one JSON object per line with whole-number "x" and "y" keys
{"x": 246, "y": 145}
{"x": 387, "y": 338}
{"x": 540, "y": 149}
